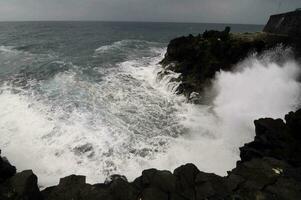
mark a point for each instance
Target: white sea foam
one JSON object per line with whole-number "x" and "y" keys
{"x": 7, "y": 49}
{"x": 124, "y": 45}
{"x": 216, "y": 132}
{"x": 130, "y": 121}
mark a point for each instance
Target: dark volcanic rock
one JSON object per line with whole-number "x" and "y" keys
{"x": 198, "y": 58}
{"x": 22, "y": 186}
{"x": 276, "y": 139}
{"x": 261, "y": 179}
{"x": 285, "y": 23}
{"x": 186, "y": 175}
{"x": 75, "y": 187}
{"x": 210, "y": 186}
{"x": 6, "y": 169}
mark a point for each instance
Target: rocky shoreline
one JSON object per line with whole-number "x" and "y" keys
{"x": 270, "y": 166}
{"x": 198, "y": 58}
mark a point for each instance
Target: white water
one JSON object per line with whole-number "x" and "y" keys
{"x": 131, "y": 121}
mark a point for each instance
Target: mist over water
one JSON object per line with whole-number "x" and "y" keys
{"x": 258, "y": 88}
{"x": 107, "y": 111}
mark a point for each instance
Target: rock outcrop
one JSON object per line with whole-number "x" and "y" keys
{"x": 285, "y": 23}
{"x": 198, "y": 58}
{"x": 270, "y": 168}
{"x": 6, "y": 169}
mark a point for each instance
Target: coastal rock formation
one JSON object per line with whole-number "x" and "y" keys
{"x": 285, "y": 23}
{"x": 270, "y": 168}
{"x": 198, "y": 58}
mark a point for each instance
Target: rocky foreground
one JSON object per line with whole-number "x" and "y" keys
{"x": 270, "y": 168}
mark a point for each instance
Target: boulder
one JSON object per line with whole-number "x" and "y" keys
{"x": 186, "y": 175}
{"x": 121, "y": 189}
{"x": 263, "y": 178}
{"x": 276, "y": 139}
{"x": 162, "y": 180}
{"x": 210, "y": 186}
{"x": 75, "y": 187}
{"x": 6, "y": 169}
{"x": 22, "y": 186}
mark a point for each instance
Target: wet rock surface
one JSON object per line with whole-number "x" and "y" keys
{"x": 21, "y": 186}
{"x": 6, "y": 169}
{"x": 270, "y": 168}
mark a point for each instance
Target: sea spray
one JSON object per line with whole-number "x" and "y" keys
{"x": 260, "y": 86}
{"x": 129, "y": 120}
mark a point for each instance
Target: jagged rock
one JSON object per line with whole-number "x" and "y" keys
{"x": 262, "y": 178}
{"x": 115, "y": 177}
{"x": 75, "y": 187}
{"x": 210, "y": 186}
{"x": 6, "y": 169}
{"x": 121, "y": 189}
{"x": 22, "y": 186}
{"x": 198, "y": 58}
{"x": 220, "y": 35}
{"x": 72, "y": 181}
{"x": 186, "y": 175}
{"x": 276, "y": 139}
{"x": 162, "y": 180}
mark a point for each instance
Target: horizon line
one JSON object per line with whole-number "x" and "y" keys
{"x": 113, "y": 21}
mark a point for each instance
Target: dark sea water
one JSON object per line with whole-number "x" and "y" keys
{"x": 84, "y": 98}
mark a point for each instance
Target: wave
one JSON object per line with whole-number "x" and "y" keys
{"x": 8, "y": 49}
{"x": 93, "y": 128}
{"x": 133, "y": 44}
{"x": 130, "y": 120}
{"x": 258, "y": 87}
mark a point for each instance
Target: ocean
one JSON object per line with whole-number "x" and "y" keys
{"x": 84, "y": 98}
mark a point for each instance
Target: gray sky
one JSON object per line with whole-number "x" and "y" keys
{"x": 213, "y": 11}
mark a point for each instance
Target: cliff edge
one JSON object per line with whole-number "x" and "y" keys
{"x": 198, "y": 58}
{"x": 285, "y": 23}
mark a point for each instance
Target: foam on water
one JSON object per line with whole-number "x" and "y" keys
{"x": 132, "y": 120}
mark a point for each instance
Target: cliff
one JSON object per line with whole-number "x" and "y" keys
{"x": 285, "y": 23}
{"x": 270, "y": 168}
{"x": 198, "y": 58}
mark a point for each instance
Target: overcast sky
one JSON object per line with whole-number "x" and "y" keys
{"x": 212, "y": 11}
